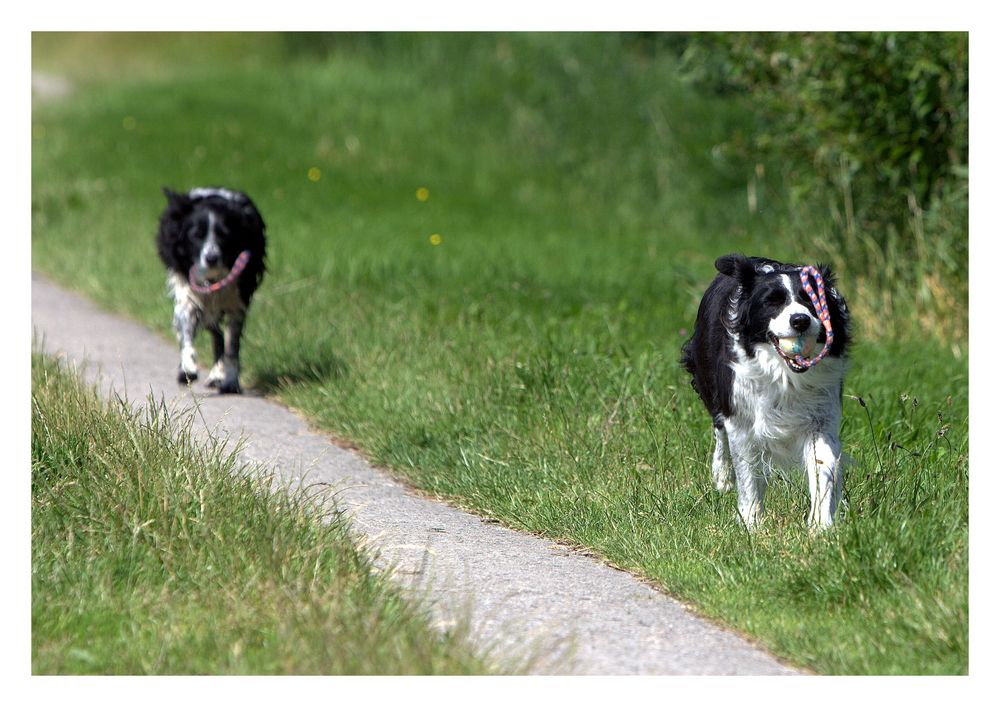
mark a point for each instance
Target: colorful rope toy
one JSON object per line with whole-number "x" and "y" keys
{"x": 818, "y": 298}
{"x": 241, "y": 262}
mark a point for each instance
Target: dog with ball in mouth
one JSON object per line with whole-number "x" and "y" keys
{"x": 768, "y": 358}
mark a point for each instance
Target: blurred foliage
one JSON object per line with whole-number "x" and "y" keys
{"x": 320, "y": 44}
{"x": 869, "y": 134}
{"x": 887, "y": 112}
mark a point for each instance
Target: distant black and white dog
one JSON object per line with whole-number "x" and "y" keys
{"x": 768, "y": 412}
{"x": 202, "y": 235}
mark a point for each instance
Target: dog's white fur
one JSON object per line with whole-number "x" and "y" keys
{"x": 192, "y": 311}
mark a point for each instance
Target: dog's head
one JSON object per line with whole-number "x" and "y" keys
{"x": 770, "y": 308}
{"x": 208, "y": 229}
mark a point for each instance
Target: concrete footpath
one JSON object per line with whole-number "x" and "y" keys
{"x": 524, "y": 596}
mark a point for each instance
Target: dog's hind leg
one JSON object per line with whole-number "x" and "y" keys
{"x": 722, "y": 461}
{"x": 822, "y": 462}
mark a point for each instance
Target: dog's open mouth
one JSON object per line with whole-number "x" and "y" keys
{"x": 209, "y": 276}
{"x": 791, "y": 347}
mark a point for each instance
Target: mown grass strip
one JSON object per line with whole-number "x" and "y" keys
{"x": 152, "y": 554}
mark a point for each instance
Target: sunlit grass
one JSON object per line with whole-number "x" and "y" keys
{"x": 152, "y": 554}
{"x": 524, "y": 362}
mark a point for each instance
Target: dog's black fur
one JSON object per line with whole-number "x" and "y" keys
{"x": 208, "y": 228}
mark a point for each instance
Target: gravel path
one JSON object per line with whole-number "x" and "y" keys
{"x": 524, "y": 596}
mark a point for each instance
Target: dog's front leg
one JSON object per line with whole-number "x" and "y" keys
{"x": 822, "y": 462}
{"x": 217, "y": 373}
{"x": 722, "y": 462}
{"x": 232, "y": 331}
{"x": 187, "y": 319}
{"x": 750, "y": 480}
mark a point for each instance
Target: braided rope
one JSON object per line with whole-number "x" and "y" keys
{"x": 241, "y": 262}
{"x": 818, "y": 298}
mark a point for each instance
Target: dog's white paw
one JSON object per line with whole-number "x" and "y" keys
{"x": 225, "y": 376}
{"x": 724, "y": 476}
{"x": 216, "y": 375}
{"x": 189, "y": 365}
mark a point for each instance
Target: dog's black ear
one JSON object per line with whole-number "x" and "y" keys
{"x": 176, "y": 200}
{"x": 739, "y": 267}
{"x": 830, "y": 282}
{"x": 729, "y": 264}
{"x": 840, "y": 315}
{"x": 170, "y": 241}
{"x": 828, "y": 277}
{"x": 252, "y": 217}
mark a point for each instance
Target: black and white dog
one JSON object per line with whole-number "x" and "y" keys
{"x": 769, "y": 413}
{"x": 212, "y": 242}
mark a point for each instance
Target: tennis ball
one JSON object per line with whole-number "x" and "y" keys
{"x": 802, "y": 345}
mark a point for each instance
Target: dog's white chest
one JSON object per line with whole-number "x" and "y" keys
{"x": 213, "y": 307}
{"x": 777, "y": 411}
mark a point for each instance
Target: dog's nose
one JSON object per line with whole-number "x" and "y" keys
{"x": 800, "y": 322}
{"x": 211, "y": 259}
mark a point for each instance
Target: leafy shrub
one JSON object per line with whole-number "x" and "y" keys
{"x": 887, "y": 110}
{"x": 870, "y": 134}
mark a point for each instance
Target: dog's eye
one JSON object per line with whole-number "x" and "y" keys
{"x": 775, "y": 297}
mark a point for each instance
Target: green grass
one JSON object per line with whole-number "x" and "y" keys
{"x": 152, "y": 554}
{"x": 526, "y": 366}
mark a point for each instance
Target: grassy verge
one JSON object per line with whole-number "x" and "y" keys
{"x": 523, "y": 362}
{"x": 153, "y": 555}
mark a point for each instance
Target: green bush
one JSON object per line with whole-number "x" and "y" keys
{"x": 886, "y": 110}
{"x": 869, "y": 135}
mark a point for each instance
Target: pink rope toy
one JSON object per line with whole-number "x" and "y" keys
{"x": 818, "y": 298}
{"x": 241, "y": 262}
